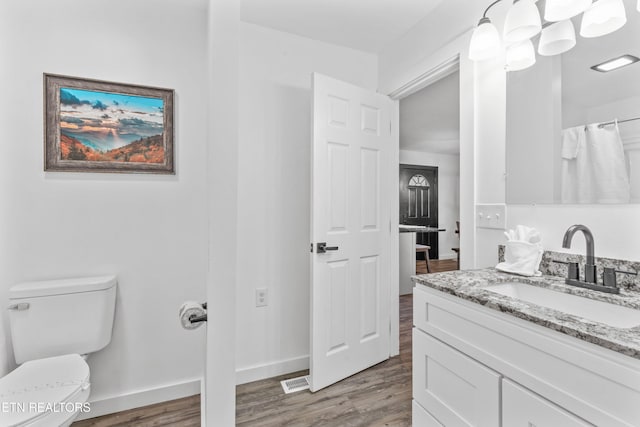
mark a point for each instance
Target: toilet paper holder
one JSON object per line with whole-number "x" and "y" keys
{"x": 198, "y": 319}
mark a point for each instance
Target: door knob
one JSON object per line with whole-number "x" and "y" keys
{"x": 322, "y": 248}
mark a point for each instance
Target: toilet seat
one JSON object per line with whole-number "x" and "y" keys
{"x": 39, "y": 391}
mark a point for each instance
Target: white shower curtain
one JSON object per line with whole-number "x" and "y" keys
{"x": 609, "y": 167}
{"x": 593, "y": 165}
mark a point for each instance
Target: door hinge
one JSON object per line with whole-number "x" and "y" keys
{"x": 311, "y": 248}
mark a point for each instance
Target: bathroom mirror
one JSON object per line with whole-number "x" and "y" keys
{"x": 562, "y": 142}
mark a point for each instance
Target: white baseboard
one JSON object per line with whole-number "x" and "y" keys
{"x": 451, "y": 255}
{"x": 109, "y": 405}
{"x": 273, "y": 369}
{"x": 137, "y": 399}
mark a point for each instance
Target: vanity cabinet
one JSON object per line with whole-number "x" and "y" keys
{"x": 521, "y": 407}
{"x": 475, "y": 366}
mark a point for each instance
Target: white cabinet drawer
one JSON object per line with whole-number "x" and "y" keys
{"x": 523, "y": 408}
{"x": 421, "y": 418}
{"x": 454, "y": 388}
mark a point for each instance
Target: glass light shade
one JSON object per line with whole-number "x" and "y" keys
{"x": 557, "y": 38}
{"x": 523, "y": 21}
{"x": 604, "y": 17}
{"x": 485, "y": 41}
{"x": 520, "y": 56}
{"x": 560, "y": 10}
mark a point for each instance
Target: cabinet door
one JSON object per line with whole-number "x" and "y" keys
{"x": 523, "y": 408}
{"x": 421, "y": 418}
{"x": 455, "y": 389}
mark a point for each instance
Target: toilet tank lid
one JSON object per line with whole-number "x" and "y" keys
{"x": 45, "y": 288}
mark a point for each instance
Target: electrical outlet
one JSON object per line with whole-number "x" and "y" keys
{"x": 261, "y": 297}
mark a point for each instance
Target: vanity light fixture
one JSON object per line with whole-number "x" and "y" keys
{"x": 557, "y": 38}
{"x": 560, "y": 10}
{"x": 615, "y": 63}
{"x": 485, "y": 41}
{"x": 520, "y": 55}
{"x": 522, "y": 22}
{"x": 603, "y": 17}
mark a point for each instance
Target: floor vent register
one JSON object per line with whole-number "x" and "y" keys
{"x": 295, "y": 384}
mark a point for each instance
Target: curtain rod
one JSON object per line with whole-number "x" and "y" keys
{"x": 613, "y": 122}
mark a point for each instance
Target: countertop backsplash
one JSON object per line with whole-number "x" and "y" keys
{"x": 548, "y": 267}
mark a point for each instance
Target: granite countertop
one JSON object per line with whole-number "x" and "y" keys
{"x": 470, "y": 285}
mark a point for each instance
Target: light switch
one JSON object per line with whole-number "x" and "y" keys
{"x": 492, "y": 216}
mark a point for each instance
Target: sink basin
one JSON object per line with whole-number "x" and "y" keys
{"x": 594, "y": 310}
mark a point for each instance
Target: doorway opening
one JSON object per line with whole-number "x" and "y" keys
{"x": 430, "y": 179}
{"x": 429, "y": 185}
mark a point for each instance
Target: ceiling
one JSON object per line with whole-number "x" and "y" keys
{"x": 430, "y": 118}
{"x": 367, "y": 25}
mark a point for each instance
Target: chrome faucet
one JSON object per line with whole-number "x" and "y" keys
{"x": 590, "y": 267}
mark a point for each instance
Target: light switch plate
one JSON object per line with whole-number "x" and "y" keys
{"x": 491, "y": 216}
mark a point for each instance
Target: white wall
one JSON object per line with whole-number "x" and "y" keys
{"x": 448, "y": 194}
{"x": 273, "y": 195}
{"x": 614, "y": 227}
{"x": 149, "y": 230}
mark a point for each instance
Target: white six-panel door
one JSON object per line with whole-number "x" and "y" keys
{"x": 350, "y": 212}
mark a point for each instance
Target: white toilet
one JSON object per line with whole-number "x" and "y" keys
{"x": 55, "y": 324}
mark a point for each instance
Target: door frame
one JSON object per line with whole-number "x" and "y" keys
{"x": 447, "y": 60}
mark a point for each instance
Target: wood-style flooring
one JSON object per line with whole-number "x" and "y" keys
{"x": 178, "y": 413}
{"x": 437, "y": 266}
{"x": 378, "y": 396}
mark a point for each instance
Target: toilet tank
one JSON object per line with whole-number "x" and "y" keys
{"x": 57, "y": 317}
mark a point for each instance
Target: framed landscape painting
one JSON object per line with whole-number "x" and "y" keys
{"x": 97, "y": 126}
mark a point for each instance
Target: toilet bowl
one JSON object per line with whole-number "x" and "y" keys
{"x": 52, "y": 324}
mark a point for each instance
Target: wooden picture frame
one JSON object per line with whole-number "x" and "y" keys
{"x": 99, "y": 126}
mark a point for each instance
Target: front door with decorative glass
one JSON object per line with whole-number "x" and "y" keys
{"x": 419, "y": 202}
